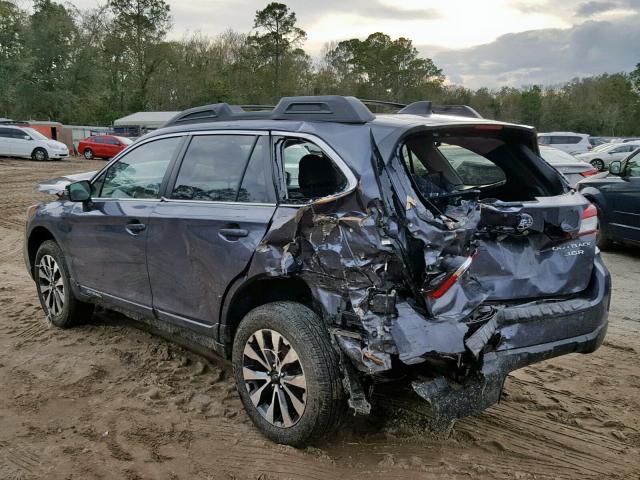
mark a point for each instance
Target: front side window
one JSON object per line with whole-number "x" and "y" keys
{"x": 139, "y": 173}
{"x": 97, "y": 140}
{"x": 633, "y": 167}
{"x": 214, "y": 167}
{"x": 309, "y": 173}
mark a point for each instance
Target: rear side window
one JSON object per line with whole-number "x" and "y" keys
{"x": 113, "y": 141}
{"x": 565, "y": 140}
{"x": 224, "y": 168}
{"x": 139, "y": 173}
{"x": 6, "y": 132}
{"x": 309, "y": 173}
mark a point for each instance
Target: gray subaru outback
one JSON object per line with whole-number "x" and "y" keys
{"x": 323, "y": 248}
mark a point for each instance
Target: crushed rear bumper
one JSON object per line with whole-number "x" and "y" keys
{"x": 527, "y": 334}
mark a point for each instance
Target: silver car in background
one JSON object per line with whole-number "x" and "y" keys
{"x": 573, "y": 169}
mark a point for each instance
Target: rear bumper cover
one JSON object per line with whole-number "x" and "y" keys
{"x": 528, "y": 334}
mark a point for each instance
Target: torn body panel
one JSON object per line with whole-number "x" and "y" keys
{"x": 377, "y": 263}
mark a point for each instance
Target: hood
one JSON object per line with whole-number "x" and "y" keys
{"x": 56, "y": 144}
{"x": 57, "y": 185}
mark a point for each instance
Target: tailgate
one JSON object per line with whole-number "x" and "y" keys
{"x": 533, "y": 249}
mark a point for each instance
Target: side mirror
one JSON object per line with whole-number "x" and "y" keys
{"x": 79, "y": 191}
{"x": 615, "y": 167}
{"x": 27, "y": 137}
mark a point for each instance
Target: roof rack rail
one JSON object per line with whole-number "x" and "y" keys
{"x": 328, "y": 108}
{"x": 426, "y": 107}
{"x": 382, "y": 103}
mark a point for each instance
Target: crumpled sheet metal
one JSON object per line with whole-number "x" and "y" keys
{"x": 415, "y": 337}
{"x": 531, "y": 267}
{"x": 336, "y": 248}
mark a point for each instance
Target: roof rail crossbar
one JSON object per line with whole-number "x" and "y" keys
{"x": 383, "y": 103}
{"x": 426, "y": 107}
{"x": 457, "y": 110}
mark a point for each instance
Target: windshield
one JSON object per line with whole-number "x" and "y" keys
{"x": 124, "y": 140}
{"x": 553, "y": 155}
{"x": 603, "y": 147}
{"x": 35, "y": 134}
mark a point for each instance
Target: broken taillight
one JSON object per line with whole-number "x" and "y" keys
{"x": 589, "y": 222}
{"x": 588, "y": 173}
{"x": 448, "y": 282}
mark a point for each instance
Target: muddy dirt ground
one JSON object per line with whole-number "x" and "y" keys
{"x": 108, "y": 400}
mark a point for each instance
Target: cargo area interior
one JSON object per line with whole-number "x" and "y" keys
{"x": 485, "y": 161}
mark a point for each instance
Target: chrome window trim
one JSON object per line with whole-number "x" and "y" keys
{"x": 352, "y": 182}
{"x": 224, "y": 202}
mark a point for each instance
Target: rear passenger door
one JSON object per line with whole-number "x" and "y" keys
{"x": 217, "y": 208}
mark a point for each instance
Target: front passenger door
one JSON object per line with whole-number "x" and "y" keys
{"x": 107, "y": 238}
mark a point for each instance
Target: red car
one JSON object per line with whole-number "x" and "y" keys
{"x": 102, "y": 146}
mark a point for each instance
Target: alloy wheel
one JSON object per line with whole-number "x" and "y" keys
{"x": 274, "y": 378}
{"x": 51, "y": 285}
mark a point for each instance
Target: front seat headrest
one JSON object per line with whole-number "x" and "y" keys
{"x": 317, "y": 176}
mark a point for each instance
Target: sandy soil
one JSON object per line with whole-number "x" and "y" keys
{"x": 108, "y": 400}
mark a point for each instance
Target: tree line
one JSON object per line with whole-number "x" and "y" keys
{"x": 77, "y": 66}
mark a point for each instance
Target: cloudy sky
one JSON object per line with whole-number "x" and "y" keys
{"x": 477, "y": 42}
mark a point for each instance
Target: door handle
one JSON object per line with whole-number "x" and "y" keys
{"x": 233, "y": 233}
{"x": 135, "y": 227}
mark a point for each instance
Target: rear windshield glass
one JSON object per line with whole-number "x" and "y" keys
{"x": 500, "y": 164}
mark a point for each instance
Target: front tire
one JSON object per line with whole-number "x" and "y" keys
{"x": 40, "y": 155}
{"x": 287, "y": 373}
{"x": 88, "y": 154}
{"x": 54, "y": 288}
{"x": 597, "y": 164}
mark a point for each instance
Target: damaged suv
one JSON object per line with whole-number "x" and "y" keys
{"x": 323, "y": 248}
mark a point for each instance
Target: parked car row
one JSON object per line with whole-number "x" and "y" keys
{"x": 29, "y": 143}
{"x": 26, "y": 142}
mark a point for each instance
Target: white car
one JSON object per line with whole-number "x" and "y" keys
{"x": 29, "y": 143}
{"x": 569, "y": 142}
{"x": 601, "y": 156}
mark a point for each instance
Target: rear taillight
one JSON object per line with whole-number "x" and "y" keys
{"x": 589, "y": 222}
{"x": 588, "y": 173}
{"x": 444, "y": 287}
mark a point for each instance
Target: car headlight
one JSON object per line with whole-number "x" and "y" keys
{"x": 31, "y": 211}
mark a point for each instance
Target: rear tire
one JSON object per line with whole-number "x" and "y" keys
{"x": 40, "y": 155}
{"x": 54, "y": 288}
{"x": 287, "y": 373}
{"x": 597, "y": 164}
{"x": 88, "y": 154}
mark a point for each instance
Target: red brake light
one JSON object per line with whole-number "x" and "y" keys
{"x": 450, "y": 280}
{"x": 589, "y": 222}
{"x": 588, "y": 173}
